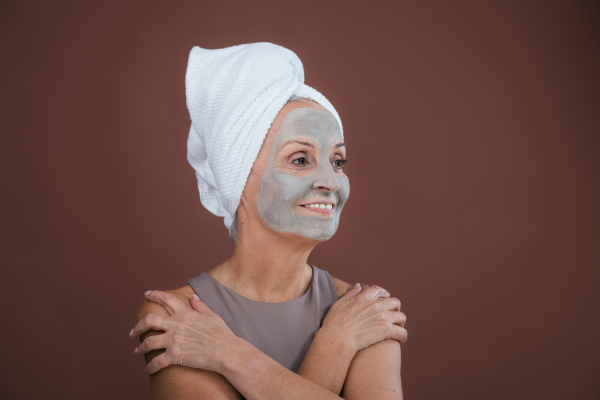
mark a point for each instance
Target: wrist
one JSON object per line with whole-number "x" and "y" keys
{"x": 340, "y": 341}
{"x": 233, "y": 356}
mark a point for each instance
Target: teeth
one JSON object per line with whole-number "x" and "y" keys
{"x": 320, "y": 206}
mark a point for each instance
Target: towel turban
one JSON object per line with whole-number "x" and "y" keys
{"x": 233, "y": 96}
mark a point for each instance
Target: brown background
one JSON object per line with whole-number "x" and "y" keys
{"x": 473, "y": 132}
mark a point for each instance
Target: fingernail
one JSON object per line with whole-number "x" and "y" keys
{"x": 131, "y": 332}
{"x": 196, "y": 296}
{"x": 148, "y": 292}
{"x": 357, "y": 285}
{"x": 135, "y": 351}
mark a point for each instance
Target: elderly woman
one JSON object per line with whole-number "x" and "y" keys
{"x": 269, "y": 156}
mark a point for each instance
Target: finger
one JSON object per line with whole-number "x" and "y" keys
{"x": 151, "y": 343}
{"x": 199, "y": 305}
{"x": 170, "y": 301}
{"x": 352, "y": 292}
{"x": 390, "y": 303}
{"x": 397, "y": 333}
{"x": 374, "y": 292}
{"x": 150, "y": 322}
{"x": 397, "y": 318}
{"x": 158, "y": 363}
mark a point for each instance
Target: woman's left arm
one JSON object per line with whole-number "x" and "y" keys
{"x": 333, "y": 362}
{"x": 370, "y": 373}
{"x": 375, "y": 373}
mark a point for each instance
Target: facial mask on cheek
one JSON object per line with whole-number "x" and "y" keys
{"x": 281, "y": 192}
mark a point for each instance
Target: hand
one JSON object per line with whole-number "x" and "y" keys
{"x": 366, "y": 317}
{"x": 195, "y": 337}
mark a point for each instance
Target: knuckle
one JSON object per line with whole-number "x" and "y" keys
{"x": 381, "y": 318}
{"x": 397, "y": 301}
{"x": 147, "y": 343}
{"x": 169, "y": 296}
{"x": 157, "y": 363}
{"x": 150, "y": 318}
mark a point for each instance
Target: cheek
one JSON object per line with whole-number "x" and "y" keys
{"x": 344, "y": 190}
{"x": 280, "y": 190}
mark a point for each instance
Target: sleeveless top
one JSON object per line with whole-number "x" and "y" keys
{"x": 283, "y": 331}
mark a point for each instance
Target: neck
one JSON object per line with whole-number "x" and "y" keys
{"x": 267, "y": 267}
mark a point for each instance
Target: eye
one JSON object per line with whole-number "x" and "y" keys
{"x": 339, "y": 163}
{"x": 300, "y": 161}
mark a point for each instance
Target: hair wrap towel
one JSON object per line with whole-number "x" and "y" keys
{"x": 233, "y": 96}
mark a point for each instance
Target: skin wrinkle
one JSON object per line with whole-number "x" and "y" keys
{"x": 281, "y": 192}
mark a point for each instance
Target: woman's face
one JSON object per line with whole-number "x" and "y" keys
{"x": 303, "y": 186}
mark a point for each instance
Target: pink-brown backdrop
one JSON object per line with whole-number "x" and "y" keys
{"x": 473, "y": 135}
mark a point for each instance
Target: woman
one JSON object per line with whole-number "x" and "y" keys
{"x": 269, "y": 156}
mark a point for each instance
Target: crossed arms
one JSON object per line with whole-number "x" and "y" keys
{"x": 332, "y": 367}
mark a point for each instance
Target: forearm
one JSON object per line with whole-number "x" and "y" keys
{"x": 257, "y": 376}
{"x": 327, "y": 361}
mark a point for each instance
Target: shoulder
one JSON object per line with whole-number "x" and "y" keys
{"x": 343, "y": 287}
{"x": 149, "y": 307}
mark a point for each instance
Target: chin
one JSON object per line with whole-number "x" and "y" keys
{"x": 319, "y": 234}
{"x": 319, "y": 231}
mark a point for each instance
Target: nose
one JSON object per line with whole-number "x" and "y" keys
{"x": 325, "y": 179}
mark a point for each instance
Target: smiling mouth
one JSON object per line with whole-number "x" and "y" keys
{"x": 321, "y": 208}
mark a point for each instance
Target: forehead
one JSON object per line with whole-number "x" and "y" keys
{"x": 314, "y": 123}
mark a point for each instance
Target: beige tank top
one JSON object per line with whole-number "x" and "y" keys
{"x": 283, "y": 331}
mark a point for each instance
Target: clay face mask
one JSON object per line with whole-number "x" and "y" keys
{"x": 303, "y": 188}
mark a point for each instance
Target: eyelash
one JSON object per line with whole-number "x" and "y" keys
{"x": 342, "y": 160}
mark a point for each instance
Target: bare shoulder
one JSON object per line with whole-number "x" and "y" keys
{"x": 343, "y": 287}
{"x": 149, "y": 307}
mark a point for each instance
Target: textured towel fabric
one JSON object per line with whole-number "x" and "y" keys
{"x": 233, "y": 96}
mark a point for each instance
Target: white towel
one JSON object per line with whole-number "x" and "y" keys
{"x": 233, "y": 96}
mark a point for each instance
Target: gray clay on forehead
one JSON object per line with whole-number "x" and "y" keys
{"x": 281, "y": 192}
{"x": 319, "y": 125}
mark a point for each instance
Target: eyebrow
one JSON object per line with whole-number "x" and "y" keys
{"x": 299, "y": 142}
{"x": 339, "y": 145}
